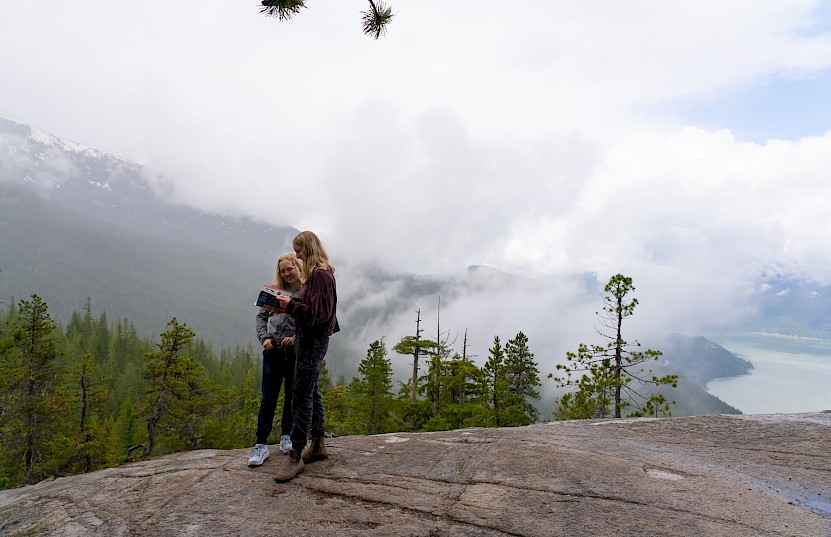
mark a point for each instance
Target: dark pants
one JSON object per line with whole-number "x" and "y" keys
{"x": 307, "y": 405}
{"x": 278, "y": 370}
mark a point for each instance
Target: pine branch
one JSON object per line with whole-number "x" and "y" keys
{"x": 282, "y": 9}
{"x": 376, "y": 18}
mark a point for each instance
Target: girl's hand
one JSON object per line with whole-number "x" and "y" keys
{"x": 268, "y": 344}
{"x": 283, "y": 300}
{"x": 288, "y": 341}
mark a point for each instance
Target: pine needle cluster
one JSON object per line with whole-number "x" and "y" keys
{"x": 282, "y": 9}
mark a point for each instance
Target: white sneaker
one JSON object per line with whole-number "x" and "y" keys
{"x": 258, "y": 455}
{"x": 285, "y": 443}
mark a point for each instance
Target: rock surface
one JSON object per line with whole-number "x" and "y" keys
{"x": 711, "y": 476}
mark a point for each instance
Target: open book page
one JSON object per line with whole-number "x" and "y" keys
{"x": 268, "y": 298}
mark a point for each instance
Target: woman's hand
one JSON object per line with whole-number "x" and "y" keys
{"x": 288, "y": 341}
{"x": 283, "y": 300}
{"x": 268, "y": 344}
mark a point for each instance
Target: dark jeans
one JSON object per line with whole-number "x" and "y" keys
{"x": 307, "y": 405}
{"x": 278, "y": 370}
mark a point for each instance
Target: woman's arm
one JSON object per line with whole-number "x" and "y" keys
{"x": 262, "y": 324}
{"x": 318, "y": 303}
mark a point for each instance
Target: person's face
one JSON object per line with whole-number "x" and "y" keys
{"x": 298, "y": 252}
{"x": 288, "y": 272}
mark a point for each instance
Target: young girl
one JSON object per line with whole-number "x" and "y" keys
{"x": 276, "y": 332}
{"x": 315, "y": 315}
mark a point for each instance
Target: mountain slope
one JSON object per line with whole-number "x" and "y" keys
{"x": 66, "y": 258}
{"x": 123, "y": 194}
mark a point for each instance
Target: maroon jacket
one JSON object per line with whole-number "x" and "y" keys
{"x": 316, "y": 309}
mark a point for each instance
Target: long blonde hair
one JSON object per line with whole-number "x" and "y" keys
{"x": 278, "y": 282}
{"x": 314, "y": 254}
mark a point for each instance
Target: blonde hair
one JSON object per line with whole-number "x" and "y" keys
{"x": 314, "y": 254}
{"x": 278, "y": 279}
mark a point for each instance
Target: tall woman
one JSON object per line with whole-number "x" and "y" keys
{"x": 276, "y": 332}
{"x": 315, "y": 315}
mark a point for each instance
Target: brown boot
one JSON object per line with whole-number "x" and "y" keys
{"x": 290, "y": 467}
{"x": 315, "y": 451}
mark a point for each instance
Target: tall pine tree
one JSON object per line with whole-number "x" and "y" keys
{"x": 494, "y": 386}
{"x": 31, "y": 399}
{"x": 523, "y": 380}
{"x": 170, "y": 376}
{"x": 606, "y": 378}
{"x": 373, "y": 397}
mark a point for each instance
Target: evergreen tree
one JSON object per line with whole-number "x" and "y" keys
{"x": 339, "y": 411}
{"x": 607, "y": 377}
{"x": 100, "y": 344}
{"x": 95, "y": 441}
{"x": 246, "y": 418}
{"x": 594, "y": 388}
{"x": 130, "y": 430}
{"x": 31, "y": 399}
{"x": 237, "y": 399}
{"x": 373, "y": 390}
{"x": 461, "y": 383}
{"x": 171, "y": 378}
{"x": 10, "y": 338}
{"x": 416, "y": 347}
{"x": 522, "y": 377}
{"x": 435, "y": 384}
{"x": 126, "y": 362}
{"x": 190, "y": 418}
{"x": 233, "y": 367}
{"x": 414, "y": 411}
{"x": 494, "y": 386}
{"x": 464, "y": 376}
{"x": 337, "y": 401}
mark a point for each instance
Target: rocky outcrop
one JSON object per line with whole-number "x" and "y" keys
{"x": 711, "y": 476}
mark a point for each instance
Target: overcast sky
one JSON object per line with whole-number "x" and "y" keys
{"x": 686, "y": 144}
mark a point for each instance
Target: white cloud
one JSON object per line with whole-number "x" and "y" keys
{"x": 526, "y": 138}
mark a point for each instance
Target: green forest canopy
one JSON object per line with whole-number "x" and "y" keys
{"x": 95, "y": 393}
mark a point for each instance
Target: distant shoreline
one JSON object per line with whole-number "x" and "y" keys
{"x": 797, "y": 368}
{"x": 731, "y": 377}
{"x": 788, "y": 336}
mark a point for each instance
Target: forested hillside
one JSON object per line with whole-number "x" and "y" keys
{"x": 97, "y": 392}
{"x": 67, "y": 258}
{"x": 75, "y": 398}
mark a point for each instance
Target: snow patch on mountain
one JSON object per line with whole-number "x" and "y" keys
{"x": 123, "y": 193}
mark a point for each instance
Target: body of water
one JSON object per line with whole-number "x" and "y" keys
{"x": 790, "y": 374}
